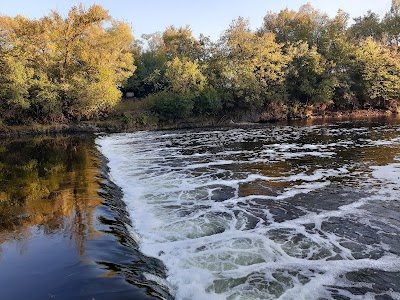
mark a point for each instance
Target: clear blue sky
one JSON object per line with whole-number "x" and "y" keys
{"x": 209, "y": 17}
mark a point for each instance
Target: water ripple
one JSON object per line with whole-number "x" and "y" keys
{"x": 278, "y": 212}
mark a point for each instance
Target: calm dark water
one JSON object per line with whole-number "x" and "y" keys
{"x": 299, "y": 211}
{"x": 63, "y": 227}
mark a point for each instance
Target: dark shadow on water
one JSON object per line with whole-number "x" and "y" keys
{"x": 63, "y": 226}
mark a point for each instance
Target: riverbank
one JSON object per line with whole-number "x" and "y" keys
{"x": 118, "y": 124}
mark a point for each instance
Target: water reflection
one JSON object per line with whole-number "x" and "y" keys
{"x": 47, "y": 185}
{"x": 63, "y": 226}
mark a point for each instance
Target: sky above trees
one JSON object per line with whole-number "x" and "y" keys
{"x": 209, "y": 17}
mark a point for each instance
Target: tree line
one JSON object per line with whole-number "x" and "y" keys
{"x": 297, "y": 59}
{"x": 75, "y": 67}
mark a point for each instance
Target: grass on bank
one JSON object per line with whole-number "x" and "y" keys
{"x": 130, "y": 113}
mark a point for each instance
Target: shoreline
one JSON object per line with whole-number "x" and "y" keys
{"x": 113, "y": 126}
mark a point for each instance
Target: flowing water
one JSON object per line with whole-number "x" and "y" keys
{"x": 273, "y": 212}
{"x": 63, "y": 226}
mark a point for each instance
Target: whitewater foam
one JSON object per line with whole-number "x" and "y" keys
{"x": 231, "y": 221}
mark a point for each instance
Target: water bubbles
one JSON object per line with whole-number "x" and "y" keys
{"x": 265, "y": 213}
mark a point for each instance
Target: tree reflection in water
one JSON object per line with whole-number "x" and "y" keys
{"x": 63, "y": 227}
{"x": 48, "y": 185}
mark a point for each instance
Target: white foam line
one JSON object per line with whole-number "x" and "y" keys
{"x": 195, "y": 243}
{"x": 388, "y": 263}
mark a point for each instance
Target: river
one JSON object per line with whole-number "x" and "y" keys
{"x": 269, "y": 212}
{"x": 63, "y": 225}
{"x": 274, "y": 211}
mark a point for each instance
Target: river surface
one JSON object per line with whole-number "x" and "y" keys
{"x": 268, "y": 212}
{"x": 63, "y": 226}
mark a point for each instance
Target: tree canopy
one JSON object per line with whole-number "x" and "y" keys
{"x": 71, "y": 67}
{"x": 295, "y": 58}
{"x": 76, "y": 66}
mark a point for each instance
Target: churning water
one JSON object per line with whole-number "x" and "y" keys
{"x": 273, "y": 212}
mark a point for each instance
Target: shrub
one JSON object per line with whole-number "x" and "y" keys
{"x": 171, "y": 106}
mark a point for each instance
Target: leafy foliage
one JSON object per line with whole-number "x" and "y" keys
{"x": 172, "y": 106}
{"x": 366, "y": 26}
{"x": 76, "y": 67}
{"x": 307, "y": 78}
{"x": 184, "y": 76}
{"x": 307, "y": 25}
{"x": 391, "y": 23}
{"x": 296, "y": 59}
{"x": 251, "y": 67}
{"x": 379, "y": 67}
{"x": 71, "y": 66}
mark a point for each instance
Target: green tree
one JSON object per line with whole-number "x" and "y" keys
{"x": 207, "y": 102}
{"x": 18, "y": 59}
{"x": 149, "y": 76}
{"x": 251, "y": 66}
{"x": 368, "y": 25}
{"x": 161, "y": 51}
{"x": 334, "y": 37}
{"x": 185, "y": 84}
{"x": 44, "y": 97}
{"x": 179, "y": 42}
{"x": 307, "y": 24}
{"x": 93, "y": 60}
{"x": 307, "y": 79}
{"x": 391, "y": 23}
{"x": 341, "y": 66}
{"x": 337, "y": 48}
{"x": 378, "y": 67}
{"x": 185, "y": 76}
{"x": 14, "y": 84}
{"x": 72, "y": 66}
{"x": 171, "y": 106}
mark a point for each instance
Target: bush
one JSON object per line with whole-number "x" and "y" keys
{"x": 208, "y": 102}
{"x": 171, "y": 106}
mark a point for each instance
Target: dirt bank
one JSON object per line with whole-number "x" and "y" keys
{"x": 247, "y": 118}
